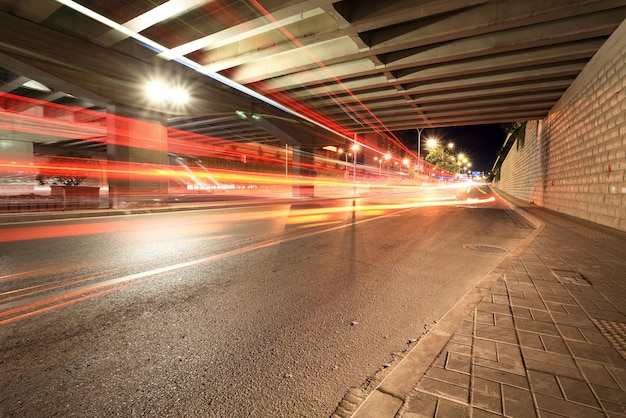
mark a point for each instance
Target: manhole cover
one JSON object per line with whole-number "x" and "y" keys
{"x": 570, "y": 277}
{"x": 615, "y": 332}
{"x": 485, "y": 248}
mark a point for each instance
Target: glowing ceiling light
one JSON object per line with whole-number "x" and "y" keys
{"x": 179, "y": 95}
{"x": 157, "y": 91}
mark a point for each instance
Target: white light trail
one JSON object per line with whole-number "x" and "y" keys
{"x": 162, "y": 50}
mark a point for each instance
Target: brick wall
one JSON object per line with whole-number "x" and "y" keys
{"x": 574, "y": 160}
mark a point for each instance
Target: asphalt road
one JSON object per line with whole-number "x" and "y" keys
{"x": 263, "y": 310}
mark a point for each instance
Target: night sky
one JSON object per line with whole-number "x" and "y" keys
{"x": 479, "y": 142}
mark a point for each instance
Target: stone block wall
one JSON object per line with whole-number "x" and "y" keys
{"x": 574, "y": 160}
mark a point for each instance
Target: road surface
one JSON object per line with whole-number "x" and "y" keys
{"x": 265, "y": 310}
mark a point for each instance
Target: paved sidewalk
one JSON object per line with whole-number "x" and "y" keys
{"x": 544, "y": 335}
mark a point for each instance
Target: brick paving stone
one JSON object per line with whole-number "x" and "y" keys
{"x": 619, "y": 374}
{"x": 459, "y": 348}
{"x": 507, "y": 367}
{"x": 552, "y": 288}
{"x": 499, "y": 288}
{"x": 518, "y": 403}
{"x": 544, "y": 383}
{"x": 462, "y": 339}
{"x": 437, "y": 387}
{"x": 510, "y": 354}
{"x": 421, "y": 404}
{"x": 615, "y": 409}
{"x": 479, "y": 413}
{"x": 536, "y": 326}
{"x": 556, "y": 308}
{"x": 520, "y": 286}
{"x": 543, "y": 316}
{"x": 440, "y": 361}
{"x": 565, "y": 408}
{"x": 494, "y": 307}
{"x": 487, "y": 395}
{"x": 598, "y": 374}
{"x": 485, "y": 317}
{"x": 594, "y": 336}
{"x": 500, "y": 376}
{"x": 575, "y": 310}
{"x": 503, "y": 320}
{"x": 449, "y": 376}
{"x": 553, "y": 368}
{"x": 547, "y": 414}
{"x": 521, "y": 312}
{"x": 485, "y": 349}
{"x": 530, "y": 340}
{"x": 606, "y": 314}
{"x": 528, "y": 303}
{"x": 571, "y": 332}
{"x": 576, "y": 321}
{"x": 554, "y": 344}
{"x": 502, "y": 334}
{"x": 547, "y": 357}
{"x": 606, "y": 354}
{"x": 609, "y": 394}
{"x": 578, "y": 391}
{"x": 449, "y": 409}
{"x": 458, "y": 362}
{"x": 565, "y": 299}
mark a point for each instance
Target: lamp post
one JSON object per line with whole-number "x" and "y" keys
{"x": 387, "y": 158}
{"x": 341, "y": 151}
{"x": 419, "y": 144}
{"x": 354, "y": 149}
{"x": 380, "y": 166}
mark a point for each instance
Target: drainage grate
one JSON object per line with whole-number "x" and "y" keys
{"x": 485, "y": 248}
{"x": 571, "y": 277}
{"x": 615, "y": 332}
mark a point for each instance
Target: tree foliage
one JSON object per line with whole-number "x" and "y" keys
{"x": 442, "y": 159}
{"x": 67, "y": 169}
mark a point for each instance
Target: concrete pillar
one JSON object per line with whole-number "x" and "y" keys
{"x": 136, "y": 149}
{"x": 303, "y": 167}
{"x": 18, "y": 181}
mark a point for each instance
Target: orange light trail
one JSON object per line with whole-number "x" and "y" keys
{"x": 38, "y": 305}
{"x": 200, "y": 226}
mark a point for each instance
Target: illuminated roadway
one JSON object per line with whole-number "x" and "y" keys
{"x": 268, "y": 309}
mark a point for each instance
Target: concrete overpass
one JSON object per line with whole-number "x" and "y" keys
{"x": 320, "y": 71}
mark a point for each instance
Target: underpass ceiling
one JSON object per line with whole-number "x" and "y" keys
{"x": 353, "y": 66}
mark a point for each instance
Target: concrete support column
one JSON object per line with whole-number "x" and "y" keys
{"x": 136, "y": 149}
{"x": 303, "y": 167}
{"x": 21, "y": 152}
